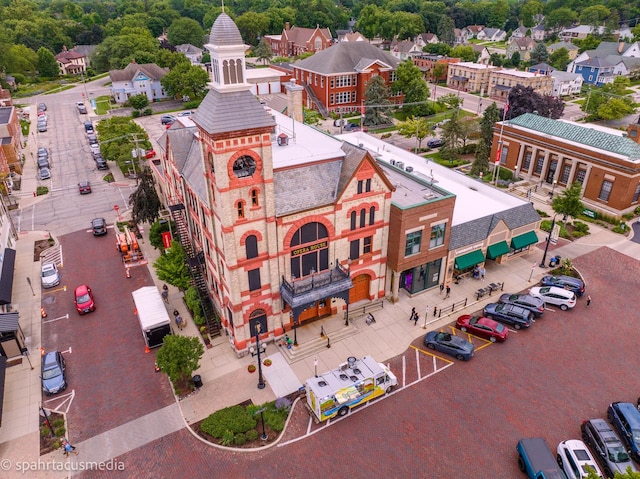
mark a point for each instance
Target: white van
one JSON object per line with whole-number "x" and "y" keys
{"x": 553, "y": 295}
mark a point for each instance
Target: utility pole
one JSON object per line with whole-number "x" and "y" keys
{"x": 137, "y": 155}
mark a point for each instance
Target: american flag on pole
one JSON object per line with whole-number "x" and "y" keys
{"x": 362, "y": 109}
{"x": 506, "y": 106}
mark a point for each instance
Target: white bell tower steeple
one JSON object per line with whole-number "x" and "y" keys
{"x": 227, "y": 56}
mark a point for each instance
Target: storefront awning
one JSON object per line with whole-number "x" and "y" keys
{"x": 497, "y": 249}
{"x": 470, "y": 259}
{"x": 6, "y": 279}
{"x": 522, "y": 241}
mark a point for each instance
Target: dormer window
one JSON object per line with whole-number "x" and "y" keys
{"x": 244, "y": 167}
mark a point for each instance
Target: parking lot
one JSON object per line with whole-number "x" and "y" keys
{"x": 111, "y": 379}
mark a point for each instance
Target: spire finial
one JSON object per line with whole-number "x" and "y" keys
{"x": 222, "y": 6}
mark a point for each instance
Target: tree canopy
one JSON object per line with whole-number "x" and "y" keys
{"x": 523, "y": 99}
{"x": 144, "y": 202}
{"x": 410, "y": 82}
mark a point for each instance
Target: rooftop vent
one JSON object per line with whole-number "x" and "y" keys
{"x": 283, "y": 139}
{"x": 322, "y": 383}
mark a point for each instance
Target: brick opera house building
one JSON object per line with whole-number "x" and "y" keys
{"x": 283, "y": 222}
{"x": 557, "y": 152}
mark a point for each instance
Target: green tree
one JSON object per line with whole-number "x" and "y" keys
{"x": 263, "y": 52}
{"x": 401, "y": 25}
{"x": 377, "y": 93}
{"x": 498, "y": 13}
{"x": 252, "y": 25}
{"x": 591, "y": 42}
{"x": 437, "y": 49}
{"x": 415, "y": 127}
{"x": 496, "y": 59}
{"x": 481, "y": 163}
{"x": 139, "y": 102}
{"x": 528, "y": 12}
{"x": 156, "y": 230}
{"x": 130, "y": 44}
{"x": 539, "y": 54}
{"x": 47, "y": 64}
{"x": 438, "y": 72}
{"x": 568, "y": 202}
{"x": 178, "y": 358}
{"x": 560, "y": 59}
{"x": 144, "y": 202}
{"x": 186, "y": 80}
{"x": 560, "y": 18}
{"x": 192, "y": 298}
{"x": 18, "y": 59}
{"x": 171, "y": 267}
{"x": 445, "y": 30}
{"x": 465, "y": 52}
{"x": 168, "y": 59}
{"x": 452, "y": 135}
{"x": 185, "y": 30}
{"x": 450, "y": 101}
{"x": 409, "y": 80}
{"x": 369, "y": 21}
{"x": 515, "y": 59}
{"x": 615, "y": 108}
{"x": 594, "y": 15}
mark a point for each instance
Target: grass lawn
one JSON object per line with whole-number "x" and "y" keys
{"x": 102, "y": 104}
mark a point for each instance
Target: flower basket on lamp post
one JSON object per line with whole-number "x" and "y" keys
{"x": 251, "y": 368}
{"x": 267, "y": 362}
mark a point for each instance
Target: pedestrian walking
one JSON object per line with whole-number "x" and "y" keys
{"x": 68, "y": 448}
{"x": 165, "y": 293}
{"x": 448, "y": 290}
{"x": 588, "y": 300}
{"x": 441, "y": 288}
{"x": 370, "y": 319}
{"x": 179, "y": 320}
{"x": 413, "y": 313}
{"x": 416, "y": 317}
{"x": 482, "y": 273}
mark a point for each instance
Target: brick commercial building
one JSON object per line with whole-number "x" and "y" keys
{"x": 297, "y": 40}
{"x": 558, "y": 153}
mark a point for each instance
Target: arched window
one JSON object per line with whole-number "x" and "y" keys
{"x": 363, "y": 218}
{"x": 225, "y": 71}
{"x": 244, "y": 167}
{"x": 240, "y": 207}
{"x": 318, "y": 43}
{"x": 211, "y": 164}
{"x": 251, "y": 246}
{"x": 309, "y": 250}
{"x": 232, "y": 71}
{"x": 372, "y": 215}
{"x": 254, "y": 197}
{"x": 353, "y": 220}
{"x": 239, "y": 70}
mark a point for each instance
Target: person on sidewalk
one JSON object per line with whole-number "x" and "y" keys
{"x": 178, "y": 318}
{"x": 413, "y": 313}
{"x": 482, "y": 273}
{"x": 370, "y": 319}
{"x": 589, "y": 300}
{"x": 441, "y": 288}
{"x": 165, "y": 293}
{"x": 68, "y": 448}
{"x": 448, "y": 290}
{"x": 416, "y": 317}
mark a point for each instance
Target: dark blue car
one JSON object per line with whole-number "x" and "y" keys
{"x": 449, "y": 344}
{"x": 625, "y": 418}
{"x": 567, "y": 282}
{"x": 509, "y": 314}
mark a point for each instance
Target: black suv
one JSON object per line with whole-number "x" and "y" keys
{"x": 625, "y": 418}
{"x": 567, "y": 282}
{"x": 606, "y": 447}
{"x": 88, "y": 127}
{"x": 101, "y": 164}
{"x": 99, "y": 226}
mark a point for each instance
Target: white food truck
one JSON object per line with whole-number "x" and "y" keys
{"x": 352, "y": 383}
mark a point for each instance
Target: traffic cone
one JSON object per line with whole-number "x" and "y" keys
{"x": 41, "y": 351}
{"x": 146, "y": 349}
{"x": 43, "y": 313}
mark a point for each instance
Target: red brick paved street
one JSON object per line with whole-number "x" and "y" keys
{"x": 466, "y": 420}
{"x": 113, "y": 379}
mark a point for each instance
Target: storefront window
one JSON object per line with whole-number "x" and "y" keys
{"x": 437, "y": 235}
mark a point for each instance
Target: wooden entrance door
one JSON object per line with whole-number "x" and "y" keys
{"x": 360, "y": 289}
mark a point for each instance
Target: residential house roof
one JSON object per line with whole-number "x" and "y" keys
{"x": 523, "y": 43}
{"x": 188, "y": 48}
{"x": 352, "y": 37}
{"x": 604, "y": 139}
{"x": 564, "y": 76}
{"x": 344, "y": 57}
{"x": 300, "y": 36}
{"x": 151, "y": 70}
{"x": 557, "y": 46}
{"x": 600, "y": 62}
{"x": 491, "y": 32}
{"x": 542, "y": 67}
{"x": 66, "y": 56}
{"x": 404, "y": 46}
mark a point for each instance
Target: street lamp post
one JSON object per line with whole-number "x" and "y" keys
{"x": 546, "y": 248}
{"x": 256, "y": 352}
{"x": 261, "y": 411}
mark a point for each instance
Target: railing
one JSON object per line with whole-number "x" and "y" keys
{"x": 316, "y": 280}
{"x": 437, "y": 313}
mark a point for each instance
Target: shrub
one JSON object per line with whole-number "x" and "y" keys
{"x": 542, "y": 214}
{"x": 58, "y": 423}
{"x": 60, "y": 431}
{"x": 252, "y": 435}
{"x": 135, "y": 113}
{"x": 275, "y": 419}
{"x": 147, "y": 112}
{"x": 385, "y": 136}
{"x": 235, "y": 419}
{"x": 581, "y": 227}
{"x": 620, "y": 228}
{"x": 227, "y": 438}
{"x": 239, "y": 439}
{"x": 44, "y": 431}
{"x": 42, "y": 190}
{"x": 283, "y": 403}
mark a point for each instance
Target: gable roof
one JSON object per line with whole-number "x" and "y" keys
{"x": 490, "y": 32}
{"x": 231, "y": 111}
{"x": 600, "y": 62}
{"x": 343, "y": 57}
{"x": 523, "y": 43}
{"x": 557, "y": 46}
{"x": 544, "y": 67}
{"x": 151, "y": 70}
{"x": 570, "y": 131}
{"x": 188, "y": 48}
{"x": 300, "y": 35}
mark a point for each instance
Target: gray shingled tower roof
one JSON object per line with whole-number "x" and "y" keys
{"x": 231, "y": 111}
{"x": 225, "y": 32}
{"x": 579, "y": 134}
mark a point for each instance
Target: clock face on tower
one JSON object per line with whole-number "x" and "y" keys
{"x": 244, "y": 167}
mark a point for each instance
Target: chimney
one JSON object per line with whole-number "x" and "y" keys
{"x": 294, "y": 100}
{"x": 620, "y": 46}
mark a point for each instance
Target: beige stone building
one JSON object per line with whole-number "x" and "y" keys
{"x": 502, "y": 81}
{"x": 470, "y": 77}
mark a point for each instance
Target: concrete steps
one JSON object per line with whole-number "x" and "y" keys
{"x": 311, "y": 347}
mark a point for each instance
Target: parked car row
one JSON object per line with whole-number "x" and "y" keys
{"x": 94, "y": 145}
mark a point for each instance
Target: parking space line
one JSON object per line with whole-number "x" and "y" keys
{"x": 434, "y": 355}
{"x": 66, "y": 399}
{"x": 418, "y": 364}
{"x": 404, "y": 371}
{"x": 46, "y": 291}
{"x": 66, "y": 316}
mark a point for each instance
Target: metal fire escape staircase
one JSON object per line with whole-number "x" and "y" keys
{"x": 312, "y": 96}
{"x": 195, "y": 262}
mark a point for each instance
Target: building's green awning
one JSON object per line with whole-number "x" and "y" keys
{"x": 470, "y": 259}
{"x": 521, "y": 241}
{"x": 497, "y": 249}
